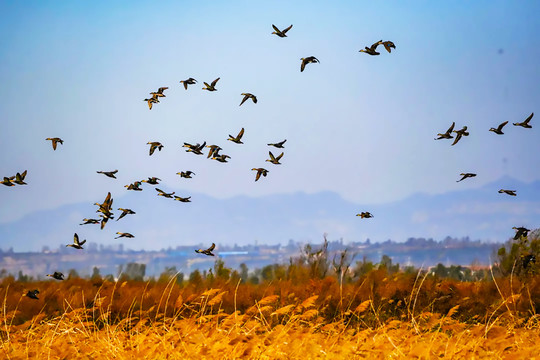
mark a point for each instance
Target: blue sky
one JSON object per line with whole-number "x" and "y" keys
{"x": 357, "y": 125}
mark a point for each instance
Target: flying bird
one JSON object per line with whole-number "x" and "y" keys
{"x": 153, "y": 100}
{"x": 447, "y": 134}
{"x": 135, "y": 186}
{"x": 159, "y": 93}
{"x": 305, "y": 61}
{"x": 388, "y": 45}
{"x": 76, "y": 243}
{"x": 365, "y": 215}
{"x": 260, "y": 171}
{"x": 32, "y": 294}
{"x": 465, "y": 176}
{"x": 8, "y": 181}
{"x": 190, "y": 81}
{"x": 281, "y": 33}
{"x": 527, "y": 259}
{"x": 214, "y": 151}
{"x": 104, "y": 220}
{"x": 372, "y": 49}
{"x": 164, "y": 194}
{"x": 460, "y": 133}
{"x": 196, "y": 149}
{"x": 57, "y": 275}
{"x": 108, "y": 173}
{"x": 212, "y": 86}
{"x": 125, "y": 212}
{"x": 525, "y": 123}
{"x": 152, "y": 180}
{"x": 187, "y": 199}
{"x": 499, "y": 128}
{"x": 221, "y": 158}
{"x": 55, "y": 141}
{"x": 207, "y": 251}
{"x": 237, "y": 138}
{"x": 520, "y": 231}
{"x": 273, "y": 159}
{"x": 126, "y": 235}
{"x": 248, "y": 96}
{"x": 279, "y": 145}
{"x": 186, "y": 174}
{"x": 509, "y": 192}
{"x": 90, "y": 221}
{"x": 19, "y": 178}
{"x": 106, "y": 206}
{"x": 154, "y": 145}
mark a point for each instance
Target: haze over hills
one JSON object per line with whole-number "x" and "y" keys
{"x": 479, "y": 213}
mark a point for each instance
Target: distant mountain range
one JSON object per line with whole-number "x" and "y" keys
{"x": 480, "y": 213}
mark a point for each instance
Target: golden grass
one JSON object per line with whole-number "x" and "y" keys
{"x": 80, "y": 319}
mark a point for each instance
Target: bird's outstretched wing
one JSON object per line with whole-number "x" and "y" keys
{"x": 286, "y": 29}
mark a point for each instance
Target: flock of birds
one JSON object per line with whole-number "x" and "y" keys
{"x": 105, "y": 208}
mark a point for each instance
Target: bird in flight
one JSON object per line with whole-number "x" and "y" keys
{"x": 196, "y": 149}
{"x": 190, "y": 81}
{"x": 212, "y": 86}
{"x": 126, "y": 235}
{"x": 164, "y": 194}
{"x": 237, "y": 138}
{"x": 221, "y": 158}
{"x": 525, "y": 123}
{"x": 447, "y": 134}
{"x": 207, "y": 251}
{"x": 520, "y": 231}
{"x": 508, "y": 192}
{"x": 76, "y": 243}
{"x": 154, "y": 145}
{"x": 151, "y": 101}
{"x": 460, "y": 133}
{"x": 365, "y": 215}
{"x": 305, "y": 61}
{"x": 8, "y": 181}
{"x": 108, "y": 173}
{"x": 90, "y": 221}
{"x": 372, "y": 50}
{"x": 32, "y": 294}
{"x": 499, "y": 128}
{"x": 214, "y": 151}
{"x": 135, "y": 186}
{"x": 19, "y": 178}
{"x": 465, "y": 176}
{"x": 159, "y": 93}
{"x": 57, "y": 275}
{"x": 248, "y": 96}
{"x": 273, "y": 159}
{"x": 279, "y": 145}
{"x": 260, "y": 171}
{"x": 55, "y": 141}
{"x": 281, "y": 33}
{"x": 125, "y": 212}
{"x": 152, "y": 180}
{"x": 388, "y": 45}
{"x": 187, "y": 199}
{"x": 186, "y": 174}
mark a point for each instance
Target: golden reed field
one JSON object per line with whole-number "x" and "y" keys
{"x": 376, "y": 316}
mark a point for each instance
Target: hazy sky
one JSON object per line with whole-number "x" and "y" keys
{"x": 359, "y": 125}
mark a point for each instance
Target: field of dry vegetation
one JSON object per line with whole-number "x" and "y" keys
{"x": 299, "y": 316}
